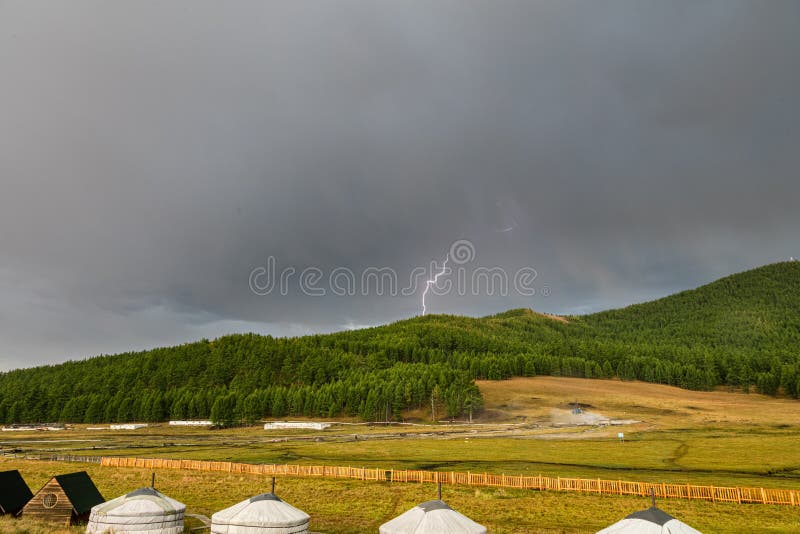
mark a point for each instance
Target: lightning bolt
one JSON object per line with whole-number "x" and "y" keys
{"x": 432, "y": 281}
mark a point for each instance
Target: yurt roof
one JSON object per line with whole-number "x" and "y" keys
{"x": 432, "y": 517}
{"x": 267, "y": 511}
{"x": 144, "y": 510}
{"x": 649, "y": 521}
{"x": 143, "y": 501}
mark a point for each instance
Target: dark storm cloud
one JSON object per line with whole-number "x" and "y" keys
{"x": 151, "y": 156}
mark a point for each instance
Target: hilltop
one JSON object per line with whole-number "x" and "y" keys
{"x": 740, "y": 331}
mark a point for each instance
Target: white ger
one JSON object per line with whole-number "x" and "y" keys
{"x": 650, "y": 521}
{"x": 143, "y": 511}
{"x": 265, "y": 513}
{"x": 432, "y": 517}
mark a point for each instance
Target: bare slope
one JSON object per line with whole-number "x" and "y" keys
{"x": 656, "y": 405}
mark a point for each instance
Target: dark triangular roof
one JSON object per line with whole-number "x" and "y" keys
{"x": 80, "y": 490}
{"x": 652, "y": 514}
{"x": 430, "y": 506}
{"x": 265, "y": 497}
{"x": 15, "y": 494}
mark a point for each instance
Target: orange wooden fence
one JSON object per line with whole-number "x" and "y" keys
{"x": 584, "y": 485}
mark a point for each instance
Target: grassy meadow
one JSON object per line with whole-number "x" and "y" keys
{"x": 344, "y": 506}
{"x": 678, "y": 436}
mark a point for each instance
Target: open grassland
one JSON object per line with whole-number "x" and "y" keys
{"x": 344, "y": 506}
{"x": 720, "y": 438}
{"x": 705, "y": 438}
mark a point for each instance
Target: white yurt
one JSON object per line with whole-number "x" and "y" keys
{"x": 432, "y": 517}
{"x": 650, "y": 521}
{"x": 145, "y": 511}
{"x": 262, "y": 514}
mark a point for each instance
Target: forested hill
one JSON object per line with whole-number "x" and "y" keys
{"x": 757, "y": 309}
{"x": 742, "y": 331}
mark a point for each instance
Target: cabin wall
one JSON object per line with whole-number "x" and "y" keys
{"x": 60, "y": 512}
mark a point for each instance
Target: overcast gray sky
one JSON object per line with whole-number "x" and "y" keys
{"x": 152, "y": 155}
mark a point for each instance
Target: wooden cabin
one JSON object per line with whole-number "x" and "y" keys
{"x": 65, "y": 499}
{"x": 15, "y": 492}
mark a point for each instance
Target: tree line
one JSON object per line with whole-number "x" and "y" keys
{"x": 741, "y": 332}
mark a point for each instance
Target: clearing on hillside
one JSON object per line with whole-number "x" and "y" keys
{"x": 655, "y": 405}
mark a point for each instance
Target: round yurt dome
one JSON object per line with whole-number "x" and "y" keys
{"x": 432, "y": 517}
{"x": 265, "y": 513}
{"x": 145, "y": 511}
{"x": 650, "y": 521}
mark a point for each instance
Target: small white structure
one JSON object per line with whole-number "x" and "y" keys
{"x": 265, "y": 513}
{"x": 128, "y": 426}
{"x": 143, "y": 511}
{"x": 650, "y": 521}
{"x": 191, "y": 423}
{"x": 432, "y": 517}
{"x": 26, "y": 428}
{"x": 274, "y": 425}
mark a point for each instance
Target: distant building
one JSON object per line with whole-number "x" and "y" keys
{"x": 27, "y": 428}
{"x": 65, "y": 499}
{"x": 191, "y": 423}
{"x": 129, "y": 426}
{"x": 15, "y": 492}
{"x": 275, "y": 425}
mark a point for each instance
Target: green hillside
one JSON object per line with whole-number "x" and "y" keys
{"x": 757, "y": 309}
{"x": 742, "y": 331}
